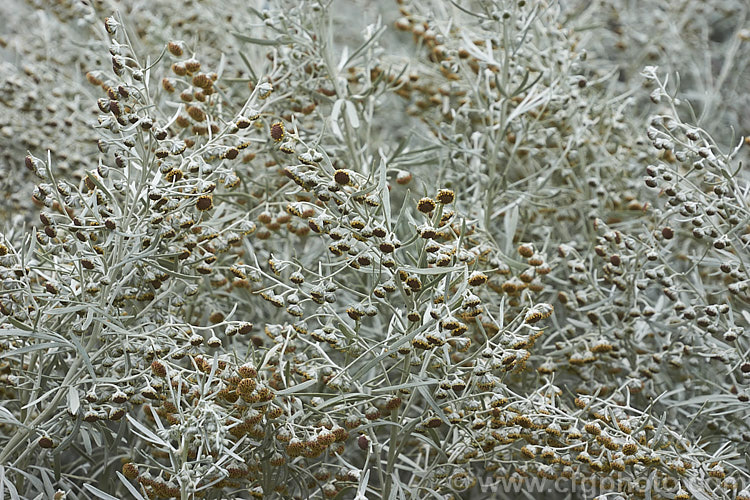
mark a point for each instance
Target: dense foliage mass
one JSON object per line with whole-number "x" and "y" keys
{"x": 419, "y": 249}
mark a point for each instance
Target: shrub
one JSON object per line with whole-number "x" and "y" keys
{"x": 324, "y": 249}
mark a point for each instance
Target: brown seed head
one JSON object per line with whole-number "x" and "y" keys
{"x": 192, "y": 65}
{"x": 342, "y": 177}
{"x": 196, "y": 113}
{"x": 202, "y": 80}
{"x": 476, "y": 278}
{"x": 46, "y": 442}
{"x": 403, "y": 177}
{"x": 526, "y": 250}
{"x": 363, "y": 442}
{"x": 174, "y": 48}
{"x": 445, "y": 196}
{"x": 158, "y": 369}
{"x": 167, "y": 85}
{"x": 393, "y": 403}
{"x": 277, "y": 131}
{"x": 130, "y": 470}
{"x": 426, "y": 205}
{"x": 92, "y": 79}
{"x": 111, "y": 25}
{"x": 205, "y": 202}
{"x": 246, "y": 387}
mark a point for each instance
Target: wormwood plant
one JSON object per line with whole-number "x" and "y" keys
{"x": 274, "y": 253}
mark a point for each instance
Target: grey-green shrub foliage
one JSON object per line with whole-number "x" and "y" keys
{"x": 412, "y": 249}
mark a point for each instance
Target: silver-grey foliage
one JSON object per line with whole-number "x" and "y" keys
{"x": 409, "y": 249}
